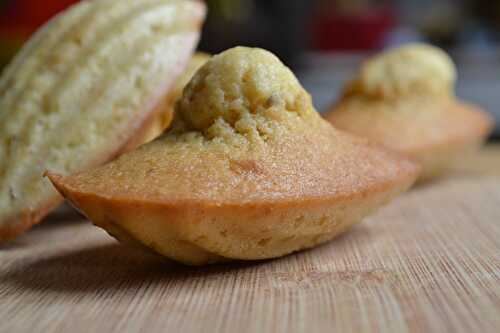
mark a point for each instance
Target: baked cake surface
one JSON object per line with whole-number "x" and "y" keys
{"x": 249, "y": 170}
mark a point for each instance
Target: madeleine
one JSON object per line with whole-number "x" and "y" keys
{"x": 249, "y": 170}
{"x": 83, "y": 89}
{"x": 404, "y": 99}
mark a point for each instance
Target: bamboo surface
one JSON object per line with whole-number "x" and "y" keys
{"x": 428, "y": 262}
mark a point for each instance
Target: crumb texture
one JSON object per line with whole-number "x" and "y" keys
{"x": 410, "y": 69}
{"x": 242, "y": 90}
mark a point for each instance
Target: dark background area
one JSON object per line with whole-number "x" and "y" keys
{"x": 324, "y": 40}
{"x": 292, "y": 27}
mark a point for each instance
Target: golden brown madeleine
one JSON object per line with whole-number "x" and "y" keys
{"x": 164, "y": 118}
{"x": 82, "y": 90}
{"x": 404, "y": 99}
{"x": 249, "y": 170}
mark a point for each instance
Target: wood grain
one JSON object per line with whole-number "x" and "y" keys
{"x": 429, "y": 262}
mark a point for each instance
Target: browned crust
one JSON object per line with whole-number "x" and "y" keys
{"x": 18, "y": 225}
{"x": 481, "y": 125}
{"x": 480, "y": 130}
{"x": 104, "y": 210}
{"x": 431, "y": 154}
{"x": 14, "y": 226}
{"x": 176, "y": 217}
{"x": 407, "y": 176}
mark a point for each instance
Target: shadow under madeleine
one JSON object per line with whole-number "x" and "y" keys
{"x": 115, "y": 266}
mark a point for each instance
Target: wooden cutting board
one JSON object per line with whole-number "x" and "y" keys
{"x": 429, "y": 262}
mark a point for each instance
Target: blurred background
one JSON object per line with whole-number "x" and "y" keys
{"x": 324, "y": 40}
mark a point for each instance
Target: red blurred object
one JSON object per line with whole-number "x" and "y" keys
{"x": 21, "y": 18}
{"x": 25, "y": 16}
{"x": 362, "y": 30}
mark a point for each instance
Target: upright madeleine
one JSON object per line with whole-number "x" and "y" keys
{"x": 248, "y": 171}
